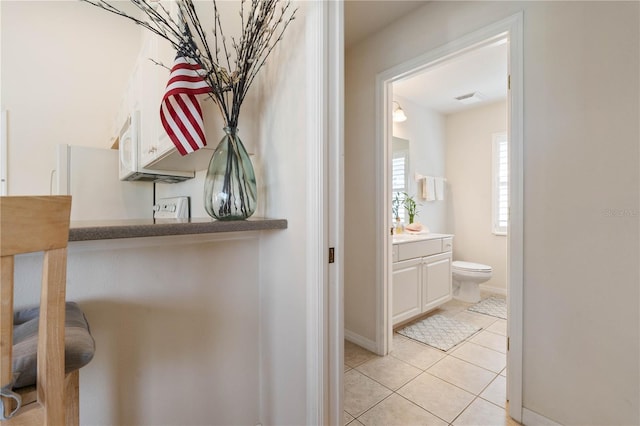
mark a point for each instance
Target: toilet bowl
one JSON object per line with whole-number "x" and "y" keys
{"x": 467, "y": 277}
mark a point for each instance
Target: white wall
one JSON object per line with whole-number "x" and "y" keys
{"x": 217, "y": 335}
{"x": 581, "y": 194}
{"x": 424, "y": 129}
{"x": 469, "y": 173}
{"x": 176, "y": 324}
{"x": 64, "y": 66}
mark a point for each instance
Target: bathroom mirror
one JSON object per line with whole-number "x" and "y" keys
{"x": 400, "y": 170}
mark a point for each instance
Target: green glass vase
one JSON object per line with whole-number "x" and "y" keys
{"x": 230, "y": 191}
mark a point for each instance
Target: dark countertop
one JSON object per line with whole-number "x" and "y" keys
{"x": 112, "y": 229}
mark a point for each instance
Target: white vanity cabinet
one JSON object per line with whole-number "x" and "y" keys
{"x": 421, "y": 275}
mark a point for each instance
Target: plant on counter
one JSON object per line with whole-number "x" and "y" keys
{"x": 410, "y": 206}
{"x": 395, "y": 206}
{"x": 229, "y": 69}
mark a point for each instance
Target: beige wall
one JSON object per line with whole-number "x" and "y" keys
{"x": 469, "y": 181}
{"x": 581, "y": 187}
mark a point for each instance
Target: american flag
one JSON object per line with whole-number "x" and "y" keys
{"x": 180, "y": 111}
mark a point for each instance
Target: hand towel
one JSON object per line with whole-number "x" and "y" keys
{"x": 429, "y": 188}
{"x": 439, "y": 187}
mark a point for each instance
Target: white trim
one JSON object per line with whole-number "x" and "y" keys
{"x": 531, "y": 418}
{"x": 4, "y": 180}
{"x": 325, "y": 212}
{"x": 316, "y": 241}
{"x": 335, "y": 203}
{"x": 515, "y": 237}
{"x": 361, "y": 341}
{"x": 511, "y": 27}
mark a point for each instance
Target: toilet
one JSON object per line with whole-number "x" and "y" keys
{"x": 467, "y": 277}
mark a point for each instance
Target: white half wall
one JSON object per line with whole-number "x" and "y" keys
{"x": 469, "y": 168}
{"x": 176, "y": 324}
{"x": 581, "y": 193}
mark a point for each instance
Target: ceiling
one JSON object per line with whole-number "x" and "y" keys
{"x": 483, "y": 70}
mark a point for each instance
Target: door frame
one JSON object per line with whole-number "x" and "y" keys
{"x": 325, "y": 212}
{"x": 512, "y": 28}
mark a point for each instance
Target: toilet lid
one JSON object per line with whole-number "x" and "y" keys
{"x": 470, "y": 266}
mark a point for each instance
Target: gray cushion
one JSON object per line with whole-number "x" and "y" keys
{"x": 79, "y": 345}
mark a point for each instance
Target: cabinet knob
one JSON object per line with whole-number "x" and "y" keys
{"x": 152, "y": 149}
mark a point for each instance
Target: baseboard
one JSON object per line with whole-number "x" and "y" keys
{"x": 530, "y": 418}
{"x": 496, "y": 290}
{"x": 368, "y": 344}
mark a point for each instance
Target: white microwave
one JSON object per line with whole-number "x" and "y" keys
{"x": 129, "y": 148}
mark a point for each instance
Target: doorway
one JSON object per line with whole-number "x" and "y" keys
{"x": 507, "y": 32}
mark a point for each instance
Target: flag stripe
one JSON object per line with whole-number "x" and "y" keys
{"x": 180, "y": 111}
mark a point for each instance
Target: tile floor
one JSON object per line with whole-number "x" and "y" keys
{"x": 419, "y": 385}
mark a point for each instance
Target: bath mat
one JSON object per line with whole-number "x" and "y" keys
{"x": 494, "y": 306}
{"x": 439, "y": 331}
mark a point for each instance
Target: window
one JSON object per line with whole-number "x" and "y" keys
{"x": 500, "y": 188}
{"x": 399, "y": 179}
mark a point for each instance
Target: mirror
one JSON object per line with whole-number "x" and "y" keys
{"x": 399, "y": 176}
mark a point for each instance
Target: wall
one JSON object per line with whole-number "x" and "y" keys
{"x": 64, "y": 65}
{"x": 191, "y": 332}
{"x": 424, "y": 129}
{"x": 581, "y": 176}
{"x": 176, "y": 324}
{"x": 469, "y": 174}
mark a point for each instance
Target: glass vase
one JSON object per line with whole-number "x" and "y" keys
{"x": 230, "y": 191}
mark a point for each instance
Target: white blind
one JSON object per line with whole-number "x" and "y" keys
{"x": 500, "y": 183}
{"x": 399, "y": 179}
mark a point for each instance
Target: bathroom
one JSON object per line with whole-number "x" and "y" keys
{"x": 453, "y": 142}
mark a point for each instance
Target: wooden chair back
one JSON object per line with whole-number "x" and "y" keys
{"x": 28, "y": 225}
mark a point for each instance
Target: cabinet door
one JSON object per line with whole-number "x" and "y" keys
{"x": 150, "y": 99}
{"x": 436, "y": 278}
{"x": 406, "y": 292}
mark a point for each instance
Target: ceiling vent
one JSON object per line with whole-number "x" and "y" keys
{"x": 470, "y": 98}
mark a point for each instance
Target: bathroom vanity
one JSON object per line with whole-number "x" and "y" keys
{"x": 421, "y": 274}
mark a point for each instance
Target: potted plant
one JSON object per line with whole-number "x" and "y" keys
{"x": 410, "y": 206}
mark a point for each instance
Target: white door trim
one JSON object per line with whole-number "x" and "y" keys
{"x": 325, "y": 212}
{"x": 511, "y": 26}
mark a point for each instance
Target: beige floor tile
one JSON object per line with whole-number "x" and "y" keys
{"x": 354, "y": 355}
{"x": 389, "y": 371}
{"x": 452, "y": 307}
{"x": 491, "y": 341}
{"x": 499, "y": 327}
{"x": 436, "y": 396}
{"x": 346, "y": 418}
{"x": 462, "y": 374}
{"x": 397, "y": 411}
{"x": 481, "y": 356}
{"x": 361, "y": 393}
{"x": 355, "y": 422}
{"x": 476, "y": 319}
{"x": 496, "y": 392}
{"x": 416, "y": 354}
{"x": 504, "y": 373}
{"x": 481, "y": 412}
{"x": 346, "y": 368}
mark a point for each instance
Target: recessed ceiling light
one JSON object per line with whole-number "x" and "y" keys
{"x": 470, "y": 98}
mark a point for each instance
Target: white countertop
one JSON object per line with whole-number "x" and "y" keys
{"x": 406, "y": 237}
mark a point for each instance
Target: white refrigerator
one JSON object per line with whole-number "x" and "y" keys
{"x": 90, "y": 176}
